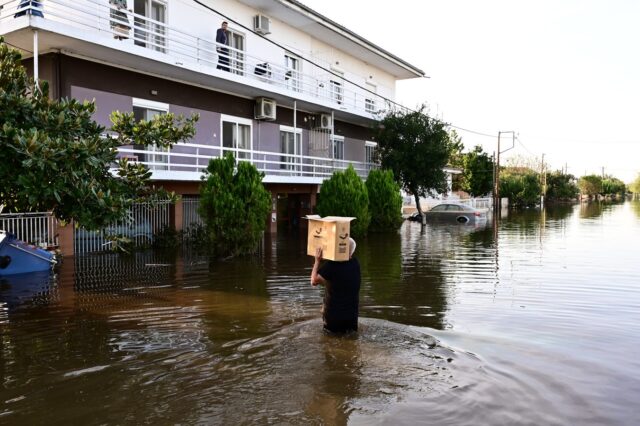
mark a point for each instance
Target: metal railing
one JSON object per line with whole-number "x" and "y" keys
{"x": 190, "y": 216}
{"x": 40, "y": 229}
{"x": 269, "y": 162}
{"x": 478, "y": 203}
{"x": 203, "y": 54}
{"x": 142, "y": 222}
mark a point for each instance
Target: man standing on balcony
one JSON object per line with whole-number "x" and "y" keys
{"x": 342, "y": 291}
{"x": 223, "y": 52}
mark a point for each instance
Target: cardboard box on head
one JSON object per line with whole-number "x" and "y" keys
{"x": 332, "y": 234}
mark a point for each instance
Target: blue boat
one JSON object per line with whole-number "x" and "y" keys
{"x": 18, "y": 257}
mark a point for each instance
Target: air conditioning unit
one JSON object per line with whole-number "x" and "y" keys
{"x": 323, "y": 121}
{"x": 261, "y": 24}
{"x": 265, "y": 109}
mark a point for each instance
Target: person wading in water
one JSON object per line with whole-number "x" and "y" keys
{"x": 342, "y": 291}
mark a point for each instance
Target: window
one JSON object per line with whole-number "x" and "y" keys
{"x": 336, "y": 91}
{"x": 157, "y": 158}
{"x": 292, "y": 72}
{"x": 338, "y": 148}
{"x": 336, "y": 88}
{"x": 236, "y": 136}
{"x": 149, "y": 26}
{"x": 370, "y": 100}
{"x": 369, "y": 159}
{"x": 236, "y": 57}
{"x": 290, "y": 144}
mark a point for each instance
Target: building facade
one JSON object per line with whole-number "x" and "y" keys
{"x": 286, "y": 88}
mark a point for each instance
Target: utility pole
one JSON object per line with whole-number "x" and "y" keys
{"x": 543, "y": 181}
{"x": 496, "y": 183}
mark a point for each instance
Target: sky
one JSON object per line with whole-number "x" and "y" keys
{"x": 564, "y": 75}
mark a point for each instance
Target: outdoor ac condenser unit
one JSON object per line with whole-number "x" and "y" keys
{"x": 323, "y": 121}
{"x": 261, "y": 24}
{"x": 265, "y": 109}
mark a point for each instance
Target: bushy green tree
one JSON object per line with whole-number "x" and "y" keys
{"x": 613, "y": 186}
{"x": 385, "y": 201}
{"x": 590, "y": 185}
{"x": 234, "y": 206}
{"x": 477, "y": 172}
{"x": 53, "y": 156}
{"x": 561, "y": 186}
{"x": 635, "y": 185}
{"x": 416, "y": 148}
{"x": 521, "y": 186}
{"x": 345, "y": 194}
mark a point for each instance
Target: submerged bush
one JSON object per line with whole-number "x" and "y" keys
{"x": 385, "y": 201}
{"x": 234, "y": 206}
{"x": 345, "y": 194}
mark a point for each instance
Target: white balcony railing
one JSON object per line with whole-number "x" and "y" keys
{"x": 180, "y": 48}
{"x": 270, "y": 163}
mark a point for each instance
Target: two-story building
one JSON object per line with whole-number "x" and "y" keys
{"x": 291, "y": 91}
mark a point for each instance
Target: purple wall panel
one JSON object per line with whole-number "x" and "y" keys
{"x": 266, "y": 137}
{"x": 105, "y": 103}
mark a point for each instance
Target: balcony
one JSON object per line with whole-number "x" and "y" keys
{"x": 187, "y": 162}
{"x": 95, "y": 30}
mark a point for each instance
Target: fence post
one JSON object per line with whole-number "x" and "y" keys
{"x": 65, "y": 238}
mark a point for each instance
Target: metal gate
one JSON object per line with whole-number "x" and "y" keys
{"x": 141, "y": 223}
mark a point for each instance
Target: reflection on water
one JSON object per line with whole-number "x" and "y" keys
{"x": 532, "y": 319}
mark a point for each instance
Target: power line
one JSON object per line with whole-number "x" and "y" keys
{"x": 222, "y": 15}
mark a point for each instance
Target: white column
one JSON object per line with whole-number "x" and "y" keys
{"x": 35, "y": 57}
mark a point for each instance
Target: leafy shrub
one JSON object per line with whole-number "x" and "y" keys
{"x": 234, "y": 206}
{"x": 385, "y": 201}
{"x": 345, "y": 194}
{"x": 521, "y": 187}
{"x": 167, "y": 237}
{"x": 590, "y": 185}
{"x": 561, "y": 186}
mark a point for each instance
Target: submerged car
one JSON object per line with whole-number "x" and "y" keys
{"x": 452, "y": 212}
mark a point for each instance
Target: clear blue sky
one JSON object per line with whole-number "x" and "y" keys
{"x": 564, "y": 74}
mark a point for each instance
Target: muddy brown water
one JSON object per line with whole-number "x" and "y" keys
{"x": 531, "y": 319}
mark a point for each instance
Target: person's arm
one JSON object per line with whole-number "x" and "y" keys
{"x": 316, "y": 278}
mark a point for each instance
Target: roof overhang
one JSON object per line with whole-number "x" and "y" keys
{"x": 299, "y": 16}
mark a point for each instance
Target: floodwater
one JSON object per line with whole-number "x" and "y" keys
{"x": 533, "y": 319}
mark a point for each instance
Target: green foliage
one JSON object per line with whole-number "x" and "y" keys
{"x": 613, "y": 186}
{"x": 234, "y": 206}
{"x": 590, "y": 185}
{"x": 521, "y": 186}
{"x": 561, "y": 186}
{"x": 167, "y": 238}
{"x": 345, "y": 194}
{"x": 416, "y": 148}
{"x": 385, "y": 201}
{"x": 53, "y": 156}
{"x": 635, "y": 185}
{"x": 477, "y": 172}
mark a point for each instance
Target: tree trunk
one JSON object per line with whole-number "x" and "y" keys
{"x": 424, "y": 219}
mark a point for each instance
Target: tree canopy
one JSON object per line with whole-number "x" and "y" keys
{"x": 521, "y": 186}
{"x": 590, "y": 185}
{"x": 477, "y": 172}
{"x": 561, "y": 186}
{"x": 55, "y": 157}
{"x": 635, "y": 185}
{"x": 416, "y": 148}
